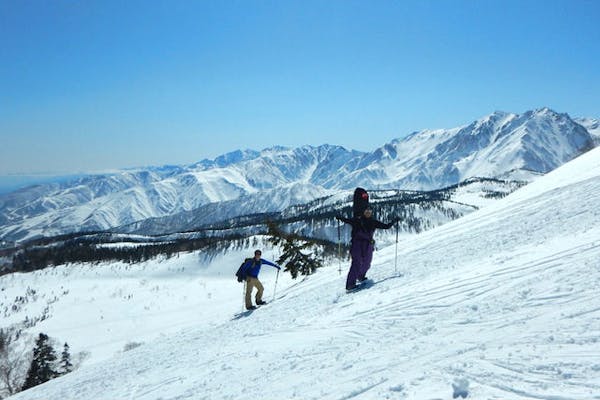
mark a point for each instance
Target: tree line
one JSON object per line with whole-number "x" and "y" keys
{"x": 314, "y": 221}
{"x": 93, "y": 250}
{"x": 82, "y": 250}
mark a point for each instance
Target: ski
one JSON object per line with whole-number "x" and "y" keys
{"x": 243, "y": 314}
{"x": 247, "y": 313}
{"x": 367, "y": 283}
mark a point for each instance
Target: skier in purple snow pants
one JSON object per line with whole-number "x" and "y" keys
{"x": 362, "y": 245}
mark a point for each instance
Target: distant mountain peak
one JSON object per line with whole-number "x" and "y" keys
{"x": 227, "y": 159}
{"x": 276, "y": 149}
{"x": 544, "y": 110}
{"x": 498, "y": 114}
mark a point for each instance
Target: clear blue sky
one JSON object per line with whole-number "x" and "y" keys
{"x": 90, "y": 85}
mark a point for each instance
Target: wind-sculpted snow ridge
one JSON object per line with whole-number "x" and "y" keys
{"x": 500, "y": 304}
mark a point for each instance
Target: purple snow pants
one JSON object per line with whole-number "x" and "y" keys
{"x": 362, "y": 254}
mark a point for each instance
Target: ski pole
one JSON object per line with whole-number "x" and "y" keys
{"x": 339, "y": 249}
{"x": 244, "y": 295}
{"x": 396, "y": 260}
{"x": 275, "y": 289}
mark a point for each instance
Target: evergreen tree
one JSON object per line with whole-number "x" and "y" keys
{"x": 4, "y": 340}
{"x": 42, "y": 365}
{"x": 65, "y": 361}
{"x": 295, "y": 257}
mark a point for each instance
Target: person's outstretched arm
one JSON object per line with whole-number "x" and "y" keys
{"x": 381, "y": 225}
{"x": 267, "y": 262}
{"x": 345, "y": 220}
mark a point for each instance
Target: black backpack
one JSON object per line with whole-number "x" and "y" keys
{"x": 241, "y": 272}
{"x": 360, "y": 202}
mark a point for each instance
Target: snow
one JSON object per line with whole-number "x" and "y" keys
{"x": 126, "y": 303}
{"x": 500, "y": 304}
{"x": 591, "y": 124}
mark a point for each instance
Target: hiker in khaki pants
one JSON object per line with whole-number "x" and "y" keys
{"x": 251, "y": 269}
{"x": 252, "y": 283}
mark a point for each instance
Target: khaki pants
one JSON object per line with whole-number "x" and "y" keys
{"x": 252, "y": 283}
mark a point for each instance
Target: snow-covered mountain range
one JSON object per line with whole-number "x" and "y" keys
{"x": 500, "y": 304}
{"x": 501, "y": 145}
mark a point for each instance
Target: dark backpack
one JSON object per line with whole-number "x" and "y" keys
{"x": 241, "y": 272}
{"x": 360, "y": 202}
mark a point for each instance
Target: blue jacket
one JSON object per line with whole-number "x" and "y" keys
{"x": 252, "y": 267}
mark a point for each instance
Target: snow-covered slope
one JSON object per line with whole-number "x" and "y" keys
{"x": 255, "y": 203}
{"x": 592, "y": 125}
{"x": 501, "y": 145}
{"x": 500, "y": 304}
{"x": 100, "y": 308}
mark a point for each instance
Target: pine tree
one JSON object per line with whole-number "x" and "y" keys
{"x": 295, "y": 257}
{"x": 65, "y": 361}
{"x": 4, "y": 340}
{"x": 42, "y": 365}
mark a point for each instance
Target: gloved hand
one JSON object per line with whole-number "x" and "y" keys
{"x": 393, "y": 222}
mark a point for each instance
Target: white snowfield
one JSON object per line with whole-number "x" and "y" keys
{"x": 501, "y": 304}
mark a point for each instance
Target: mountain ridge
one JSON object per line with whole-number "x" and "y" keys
{"x": 499, "y": 145}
